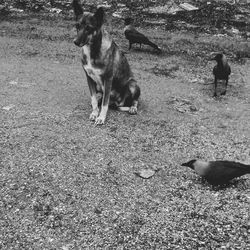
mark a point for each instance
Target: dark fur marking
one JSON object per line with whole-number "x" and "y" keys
{"x": 95, "y": 46}
{"x": 84, "y": 59}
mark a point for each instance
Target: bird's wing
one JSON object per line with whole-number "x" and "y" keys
{"x": 222, "y": 72}
{"x": 134, "y": 36}
{"x": 231, "y": 165}
{"x": 215, "y": 70}
{"x": 227, "y": 169}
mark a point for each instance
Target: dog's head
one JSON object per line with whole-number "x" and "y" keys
{"x": 87, "y": 24}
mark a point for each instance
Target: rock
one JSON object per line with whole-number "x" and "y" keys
{"x": 14, "y": 82}
{"x": 16, "y": 10}
{"x": 9, "y": 107}
{"x": 117, "y": 14}
{"x": 146, "y": 173}
{"x": 97, "y": 211}
{"x": 55, "y": 10}
{"x": 105, "y": 6}
{"x": 193, "y": 108}
{"x": 188, "y": 7}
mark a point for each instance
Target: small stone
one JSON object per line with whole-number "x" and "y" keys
{"x": 9, "y": 107}
{"x": 193, "y": 108}
{"x": 146, "y": 173}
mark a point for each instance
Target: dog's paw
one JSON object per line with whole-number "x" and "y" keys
{"x": 133, "y": 110}
{"x": 93, "y": 116}
{"x": 99, "y": 120}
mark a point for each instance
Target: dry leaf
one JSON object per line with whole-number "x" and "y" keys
{"x": 146, "y": 173}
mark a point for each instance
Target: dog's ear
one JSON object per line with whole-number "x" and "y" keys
{"x": 99, "y": 16}
{"x": 77, "y": 7}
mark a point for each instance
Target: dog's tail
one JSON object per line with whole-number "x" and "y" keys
{"x": 123, "y": 109}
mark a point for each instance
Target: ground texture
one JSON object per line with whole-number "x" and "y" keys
{"x": 65, "y": 184}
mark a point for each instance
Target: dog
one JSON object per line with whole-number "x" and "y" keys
{"x": 221, "y": 71}
{"x": 218, "y": 172}
{"x": 109, "y": 77}
{"x": 134, "y": 36}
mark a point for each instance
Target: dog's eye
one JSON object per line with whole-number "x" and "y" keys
{"x": 88, "y": 28}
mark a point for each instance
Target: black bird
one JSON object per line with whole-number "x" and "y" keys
{"x": 221, "y": 71}
{"x": 136, "y": 37}
{"x": 218, "y": 172}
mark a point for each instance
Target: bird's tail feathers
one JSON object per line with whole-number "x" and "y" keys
{"x": 153, "y": 45}
{"x": 244, "y": 167}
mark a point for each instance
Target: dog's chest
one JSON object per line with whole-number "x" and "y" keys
{"x": 92, "y": 71}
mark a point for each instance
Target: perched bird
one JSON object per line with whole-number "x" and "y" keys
{"x": 218, "y": 172}
{"x": 221, "y": 71}
{"x": 136, "y": 37}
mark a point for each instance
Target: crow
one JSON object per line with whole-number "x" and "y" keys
{"x": 136, "y": 37}
{"x": 221, "y": 71}
{"x": 218, "y": 172}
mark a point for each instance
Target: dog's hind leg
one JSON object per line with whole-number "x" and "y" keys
{"x": 131, "y": 98}
{"x": 129, "y": 102}
{"x": 135, "y": 94}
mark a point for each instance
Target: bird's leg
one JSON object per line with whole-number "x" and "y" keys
{"x": 215, "y": 87}
{"x": 130, "y": 45}
{"x": 224, "y": 92}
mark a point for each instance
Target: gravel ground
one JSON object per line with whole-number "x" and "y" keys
{"x": 65, "y": 184}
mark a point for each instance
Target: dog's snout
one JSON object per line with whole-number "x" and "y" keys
{"x": 76, "y": 42}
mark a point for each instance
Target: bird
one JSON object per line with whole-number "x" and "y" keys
{"x": 136, "y": 37}
{"x": 221, "y": 71}
{"x": 218, "y": 172}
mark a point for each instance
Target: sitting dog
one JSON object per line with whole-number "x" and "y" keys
{"x": 108, "y": 73}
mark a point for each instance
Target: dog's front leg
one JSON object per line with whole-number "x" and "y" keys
{"x": 105, "y": 102}
{"x": 94, "y": 100}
